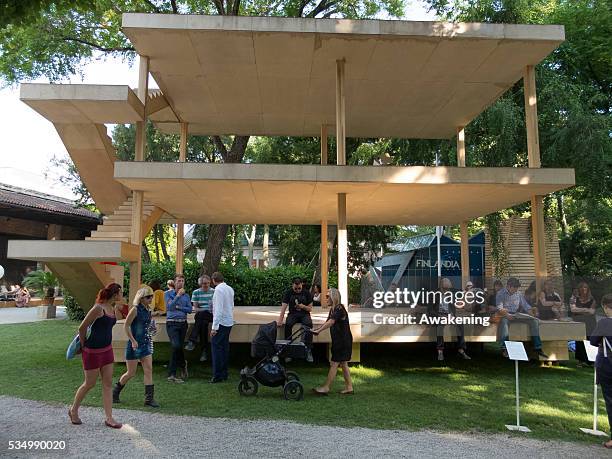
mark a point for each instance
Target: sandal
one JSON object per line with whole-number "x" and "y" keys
{"x": 76, "y": 421}
{"x": 347, "y": 392}
{"x": 117, "y": 425}
{"x": 318, "y": 392}
{"x": 606, "y": 444}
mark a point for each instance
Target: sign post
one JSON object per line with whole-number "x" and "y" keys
{"x": 516, "y": 352}
{"x": 592, "y": 355}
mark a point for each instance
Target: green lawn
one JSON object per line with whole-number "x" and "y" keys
{"x": 397, "y": 387}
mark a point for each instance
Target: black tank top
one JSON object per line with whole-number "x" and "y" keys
{"x": 101, "y": 332}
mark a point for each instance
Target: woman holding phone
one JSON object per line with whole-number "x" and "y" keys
{"x": 138, "y": 327}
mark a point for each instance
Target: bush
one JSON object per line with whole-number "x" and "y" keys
{"x": 73, "y": 310}
{"x": 252, "y": 287}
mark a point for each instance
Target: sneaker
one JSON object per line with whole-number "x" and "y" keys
{"x": 309, "y": 357}
{"x": 204, "y": 356}
{"x": 171, "y": 378}
{"x": 541, "y": 354}
{"x": 505, "y": 354}
{"x": 464, "y": 356}
{"x": 178, "y": 381}
{"x": 190, "y": 346}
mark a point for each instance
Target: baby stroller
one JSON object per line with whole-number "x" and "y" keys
{"x": 269, "y": 371}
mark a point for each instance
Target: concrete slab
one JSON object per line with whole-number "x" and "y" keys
{"x": 276, "y": 76}
{"x": 72, "y": 251}
{"x": 306, "y": 194}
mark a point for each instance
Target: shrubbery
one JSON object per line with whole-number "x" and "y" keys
{"x": 252, "y": 287}
{"x": 73, "y": 310}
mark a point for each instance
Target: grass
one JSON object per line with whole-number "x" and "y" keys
{"x": 397, "y": 387}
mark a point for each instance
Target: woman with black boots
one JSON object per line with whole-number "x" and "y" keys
{"x": 138, "y": 327}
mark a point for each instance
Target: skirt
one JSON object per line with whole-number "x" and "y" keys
{"x": 145, "y": 348}
{"x": 97, "y": 358}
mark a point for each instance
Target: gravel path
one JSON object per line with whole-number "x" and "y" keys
{"x": 151, "y": 434}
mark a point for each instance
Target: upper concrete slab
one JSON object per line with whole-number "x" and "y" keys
{"x": 83, "y": 103}
{"x": 276, "y": 76}
{"x": 307, "y": 194}
{"x": 72, "y": 251}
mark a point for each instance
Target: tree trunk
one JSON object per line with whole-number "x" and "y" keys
{"x": 162, "y": 242}
{"x": 266, "y": 246}
{"x": 217, "y": 233}
{"x": 146, "y": 256}
{"x": 562, "y": 218}
{"x": 214, "y": 248}
{"x": 156, "y": 241}
{"x": 251, "y": 242}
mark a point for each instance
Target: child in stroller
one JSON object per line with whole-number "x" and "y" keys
{"x": 269, "y": 371}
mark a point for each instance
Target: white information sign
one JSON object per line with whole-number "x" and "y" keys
{"x": 516, "y": 350}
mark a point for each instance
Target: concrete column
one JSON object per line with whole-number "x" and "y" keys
{"x": 533, "y": 152}
{"x": 463, "y": 226}
{"x": 183, "y": 144}
{"x": 143, "y": 88}
{"x": 324, "y": 235}
{"x": 342, "y": 249}
{"x": 136, "y": 239}
{"x": 180, "y": 245}
{"x": 340, "y": 114}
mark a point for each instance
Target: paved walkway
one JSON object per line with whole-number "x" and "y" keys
{"x": 148, "y": 434}
{"x": 23, "y": 315}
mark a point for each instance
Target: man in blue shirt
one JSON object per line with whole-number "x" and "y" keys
{"x": 178, "y": 305}
{"x": 516, "y": 308}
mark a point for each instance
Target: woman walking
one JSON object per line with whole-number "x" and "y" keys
{"x": 98, "y": 353}
{"x": 342, "y": 344}
{"x": 140, "y": 346}
{"x": 602, "y": 337}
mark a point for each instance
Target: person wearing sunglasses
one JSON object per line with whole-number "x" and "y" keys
{"x": 139, "y": 329}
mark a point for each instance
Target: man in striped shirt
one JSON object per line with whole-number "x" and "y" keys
{"x": 201, "y": 299}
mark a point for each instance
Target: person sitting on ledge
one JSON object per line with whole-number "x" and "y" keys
{"x": 549, "y": 302}
{"x": 444, "y": 307}
{"x": 299, "y": 302}
{"x": 513, "y": 305}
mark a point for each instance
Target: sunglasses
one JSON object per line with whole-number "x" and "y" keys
{"x": 148, "y": 296}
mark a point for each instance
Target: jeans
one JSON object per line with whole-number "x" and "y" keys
{"x": 292, "y": 319}
{"x": 199, "y": 332}
{"x": 440, "y": 337}
{"x": 534, "y": 329}
{"x": 220, "y": 352}
{"x": 604, "y": 378}
{"x": 176, "y": 333}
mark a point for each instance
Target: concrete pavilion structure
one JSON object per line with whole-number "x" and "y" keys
{"x": 269, "y": 76}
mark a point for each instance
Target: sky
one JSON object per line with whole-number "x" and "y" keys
{"x": 28, "y": 142}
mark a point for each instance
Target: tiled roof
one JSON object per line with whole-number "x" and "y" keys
{"x": 29, "y": 199}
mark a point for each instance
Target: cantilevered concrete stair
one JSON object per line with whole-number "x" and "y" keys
{"x": 118, "y": 225}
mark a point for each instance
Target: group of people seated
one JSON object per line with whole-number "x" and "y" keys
{"x": 17, "y": 293}
{"x": 507, "y": 304}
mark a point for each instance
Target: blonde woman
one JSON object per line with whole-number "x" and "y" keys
{"x": 342, "y": 343}
{"x": 140, "y": 345}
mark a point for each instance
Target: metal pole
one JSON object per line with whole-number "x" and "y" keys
{"x": 594, "y": 398}
{"x": 518, "y": 419}
{"x": 438, "y": 234}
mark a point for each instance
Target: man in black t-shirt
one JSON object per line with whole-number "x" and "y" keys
{"x": 299, "y": 302}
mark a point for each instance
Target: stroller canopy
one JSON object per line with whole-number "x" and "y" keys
{"x": 265, "y": 337}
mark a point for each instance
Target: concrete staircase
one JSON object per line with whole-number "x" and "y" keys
{"x": 118, "y": 225}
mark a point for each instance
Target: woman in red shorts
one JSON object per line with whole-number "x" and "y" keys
{"x": 98, "y": 353}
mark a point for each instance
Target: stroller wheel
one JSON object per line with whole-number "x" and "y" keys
{"x": 293, "y": 390}
{"x": 248, "y": 386}
{"x": 292, "y": 376}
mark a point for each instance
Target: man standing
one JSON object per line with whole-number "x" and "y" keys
{"x": 299, "y": 301}
{"x": 515, "y": 307}
{"x": 201, "y": 299}
{"x": 223, "y": 320}
{"x": 178, "y": 305}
